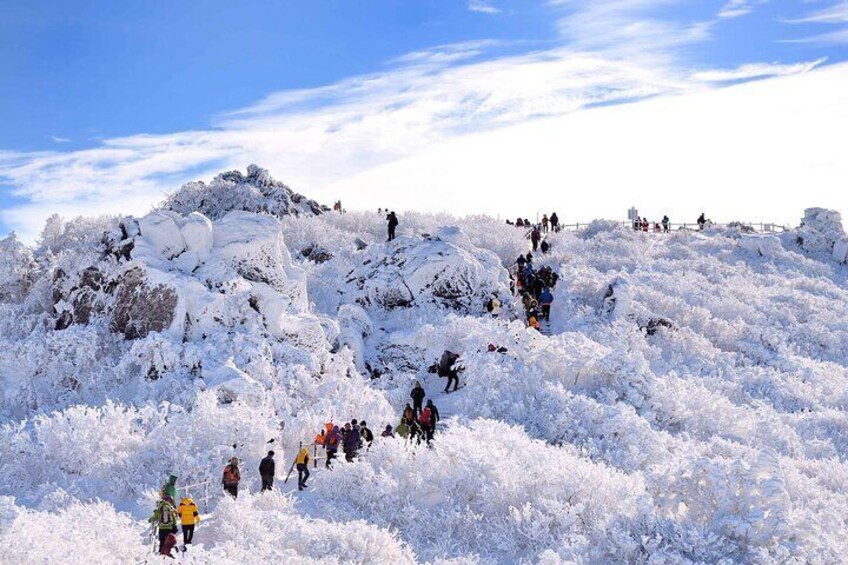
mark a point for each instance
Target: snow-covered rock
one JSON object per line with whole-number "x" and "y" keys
{"x": 444, "y": 269}
{"x": 762, "y": 245}
{"x": 822, "y": 232}
{"x": 233, "y": 191}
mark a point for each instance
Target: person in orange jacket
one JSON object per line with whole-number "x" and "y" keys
{"x": 189, "y": 517}
{"x": 232, "y": 477}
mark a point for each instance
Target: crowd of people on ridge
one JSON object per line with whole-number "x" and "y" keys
{"x": 664, "y": 225}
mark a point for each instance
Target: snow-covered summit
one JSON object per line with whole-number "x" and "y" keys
{"x": 231, "y": 191}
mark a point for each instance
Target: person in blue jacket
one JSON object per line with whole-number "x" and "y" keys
{"x": 545, "y": 299}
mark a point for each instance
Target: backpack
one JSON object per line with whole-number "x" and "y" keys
{"x": 425, "y": 417}
{"x": 166, "y": 516}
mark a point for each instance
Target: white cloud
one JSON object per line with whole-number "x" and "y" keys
{"x": 313, "y": 138}
{"x": 622, "y": 28}
{"x": 483, "y": 7}
{"x": 759, "y": 151}
{"x": 836, "y": 14}
{"x": 58, "y": 139}
{"x": 737, "y": 8}
{"x": 756, "y": 70}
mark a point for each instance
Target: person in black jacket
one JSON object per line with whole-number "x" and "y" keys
{"x": 434, "y": 416}
{"x": 366, "y": 434}
{"x": 266, "y": 471}
{"x": 417, "y": 395}
{"x": 393, "y": 224}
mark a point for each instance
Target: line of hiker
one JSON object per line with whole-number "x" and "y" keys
{"x": 546, "y": 225}
{"x": 535, "y": 289}
{"x": 351, "y": 437}
{"x": 642, "y": 224}
{"x": 165, "y": 518}
{"x": 664, "y": 225}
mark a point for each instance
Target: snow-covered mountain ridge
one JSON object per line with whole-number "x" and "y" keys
{"x": 135, "y": 347}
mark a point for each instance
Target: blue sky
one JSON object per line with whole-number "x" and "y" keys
{"x": 106, "y": 105}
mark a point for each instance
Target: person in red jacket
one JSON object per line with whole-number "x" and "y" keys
{"x": 425, "y": 420}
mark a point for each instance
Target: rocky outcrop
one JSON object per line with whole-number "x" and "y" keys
{"x": 140, "y": 307}
{"x": 821, "y": 232}
{"x": 444, "y": 269}
{"x": 233, "y": 191}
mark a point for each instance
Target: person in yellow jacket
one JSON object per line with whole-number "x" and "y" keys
{"x": 302, "y": 462}
{"x": 189, "y": 517}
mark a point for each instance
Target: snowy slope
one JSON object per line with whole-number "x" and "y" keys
{"x": 135, "y": 347}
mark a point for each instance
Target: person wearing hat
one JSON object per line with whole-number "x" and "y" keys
{"x": 232, "y": 477}
{"x": 266, "y": 471}
{"x": 165, "y": 518}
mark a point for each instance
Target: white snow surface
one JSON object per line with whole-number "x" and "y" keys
{"x": 200, "y": 332}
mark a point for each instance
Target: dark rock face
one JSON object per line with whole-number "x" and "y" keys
{"x": 316, "y": 254}
{"x": 141, "y": 308}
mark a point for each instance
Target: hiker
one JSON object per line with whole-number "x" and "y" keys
{"x": 434, "y": 416}
{"x": 414, "y": 430}
{"x": 403, "y": 429}
{"x": 425, "y": 420}
{"x": 350, "y": 442}
{"x": 526, "y": 300}
{"x": 189, "y": 517}
{"x": 657, "y": 228}
{"x": 366, "y": 434}
{"x": 167, "y": 546}
{"x": 535, "y": 236}
{"x": 319, "y": 438}
{"x": 169, "y": 488}
{"x": 266, "y": 471}
{"x": 554, "y": 222}
{"x": 232, "y": 476}
{"x": 417, "y": 395}
{"x": 408, "y": 412}
{"x": 447, "y": 369}
{"x": 545, "y": 246}
{"x": 331, "y": 444}
{"x": 165, "y": 518}
{"x": 645, "y": 225}
{"x": 302, "y": 464}
{"x": 701, "y": 221}
{"x": 388, "y": 431}
{"x": 545, "y": 299}
{"x": 666, "y": 223}
{"x": 393, "y": 224}
{"x": 545, "y": 223}
{"x": 529, "y": 260}
{"x": 520, "y": 262}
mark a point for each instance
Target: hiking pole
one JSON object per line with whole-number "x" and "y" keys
{"x": 292, "y": 466}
